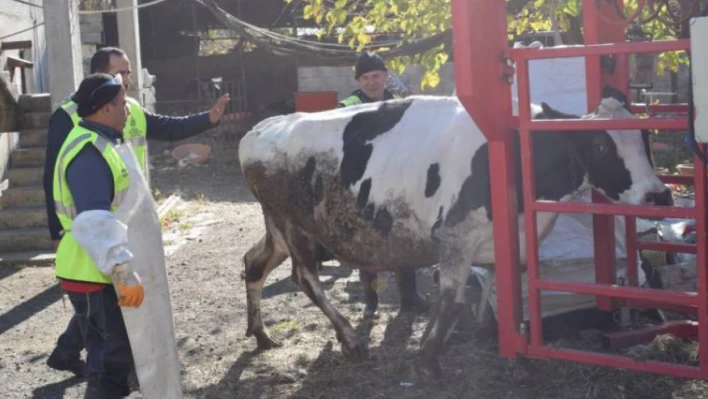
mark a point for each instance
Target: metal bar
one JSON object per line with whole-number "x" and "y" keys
{"x": 659, "y": 46}
{"x": 649, "y": 295}
{"x": 609, "y": 124}
{"x": 602, "y": 225}
{"x": 623, "y": 362}
{"x": 593, "y": 71}
{"x": 480, "y": 42}
{"x": 529, "y": 192}
{"x": 631, "y": 246}
{"x": 612, "y": 209}
{"x": 604, "y": 248}
{"x": 666, "y": 247}
{"x": 699, "y": 175}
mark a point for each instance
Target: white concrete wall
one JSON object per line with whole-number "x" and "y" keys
{"x": 341, "y": 80}
{"x": 14, "y": 17}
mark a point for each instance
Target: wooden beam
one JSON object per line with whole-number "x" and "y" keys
{"x": 16, "y": 45}
{"x": 14, "y": 62}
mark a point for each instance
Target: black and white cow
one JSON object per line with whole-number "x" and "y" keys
{"x": 405, "y": 183}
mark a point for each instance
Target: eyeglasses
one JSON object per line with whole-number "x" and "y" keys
{"x": 117, "y": 80}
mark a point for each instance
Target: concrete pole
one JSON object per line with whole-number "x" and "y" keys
{"x": 63, "y": 36}
{"x": 129, "y": 41}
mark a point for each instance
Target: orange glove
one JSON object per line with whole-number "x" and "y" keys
{"x": 130, "y": 296}
{"x": 130, "y": 289}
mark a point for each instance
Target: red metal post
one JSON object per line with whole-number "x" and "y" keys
{"x": 479, "y": 42}
{"x": 701, "y": 253}
{"x": 532, "y": 261}
{"x": 596, "y": 31}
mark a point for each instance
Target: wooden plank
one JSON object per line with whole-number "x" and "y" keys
{"x": 14, "y": 62}
{"x": 16, "y": 45}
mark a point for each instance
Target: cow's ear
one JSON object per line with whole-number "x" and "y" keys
{"x": 610, "y": 92}
{"x": 551, "y": 113}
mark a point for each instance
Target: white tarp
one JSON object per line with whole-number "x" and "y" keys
{"x": 559, "y": 82}
{"x": 567, "y": 254}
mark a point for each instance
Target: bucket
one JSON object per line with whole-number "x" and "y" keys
{"x": 315, "y": 101}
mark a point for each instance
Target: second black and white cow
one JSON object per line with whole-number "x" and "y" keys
{"x": 405, "y": 183}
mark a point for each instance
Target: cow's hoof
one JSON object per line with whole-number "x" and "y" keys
{"x": 429, "y": 371}
{"x": 265, "y": 342}
{"x": 417, "y": 305}
{"x": 355, "y": 349}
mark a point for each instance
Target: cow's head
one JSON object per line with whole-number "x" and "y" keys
{"x": 617, "y": 163}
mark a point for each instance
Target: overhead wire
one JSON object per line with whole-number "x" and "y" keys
{"x": 326, "y": 53}
{"x": 22, "y": 31}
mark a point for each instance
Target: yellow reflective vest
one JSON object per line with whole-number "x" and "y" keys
{"x": 72, "y": 262}
{"x": 356, "y": 98}
{"x": 135, "y": 131}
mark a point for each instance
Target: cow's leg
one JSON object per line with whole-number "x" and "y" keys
{"x": 454, "y": 270}
{"x": 259, "y": 261}
{"x": 302, "y": 253}
{"x": 410, "y": 298}
{"x": 369, "y": 280}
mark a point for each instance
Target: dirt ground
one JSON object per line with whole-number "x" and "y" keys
{"x": 206, "y": 236}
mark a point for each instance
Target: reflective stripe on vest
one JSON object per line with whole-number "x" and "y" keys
{"x": 71, "y": 108}
{"x": 351, "y": 100}
{"x": 72, "y": 262}
{"x": 135, "y": 133}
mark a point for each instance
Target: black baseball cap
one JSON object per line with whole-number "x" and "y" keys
{"x": 95, "y": 91}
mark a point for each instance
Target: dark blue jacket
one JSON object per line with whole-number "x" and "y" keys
{"x": 100, "y": 195}
{"x": 88, "y": 175}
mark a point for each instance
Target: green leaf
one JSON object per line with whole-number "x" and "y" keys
{"x": 307, "y": 11}
{"x": 340, "y": 4}
{"x": 363, "y": 38}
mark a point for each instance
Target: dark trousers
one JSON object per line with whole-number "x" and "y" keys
{"x": 109, "y": 359}
{"x": 71, "y": 341}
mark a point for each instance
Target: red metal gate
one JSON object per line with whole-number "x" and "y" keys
{"x": 481, "y": 52}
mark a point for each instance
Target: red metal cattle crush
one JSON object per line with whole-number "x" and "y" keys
{"x": 481, "y": 54}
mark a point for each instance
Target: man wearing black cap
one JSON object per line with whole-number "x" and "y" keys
{"x": 371, "y": 73}
{"x": 90, "y": 176}
{"x": 141, "y": 125}
{"x": 110, "y": 241}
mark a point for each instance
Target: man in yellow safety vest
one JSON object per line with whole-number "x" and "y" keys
{"x": 110, "y": 242}
{"x": 140, "y": 126}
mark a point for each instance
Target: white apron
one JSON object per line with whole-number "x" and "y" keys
{"x": 150, "y": 327}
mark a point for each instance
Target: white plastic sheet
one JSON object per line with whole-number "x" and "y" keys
{"x": 567, "y": 254}
{"x": 559, "y": 82}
